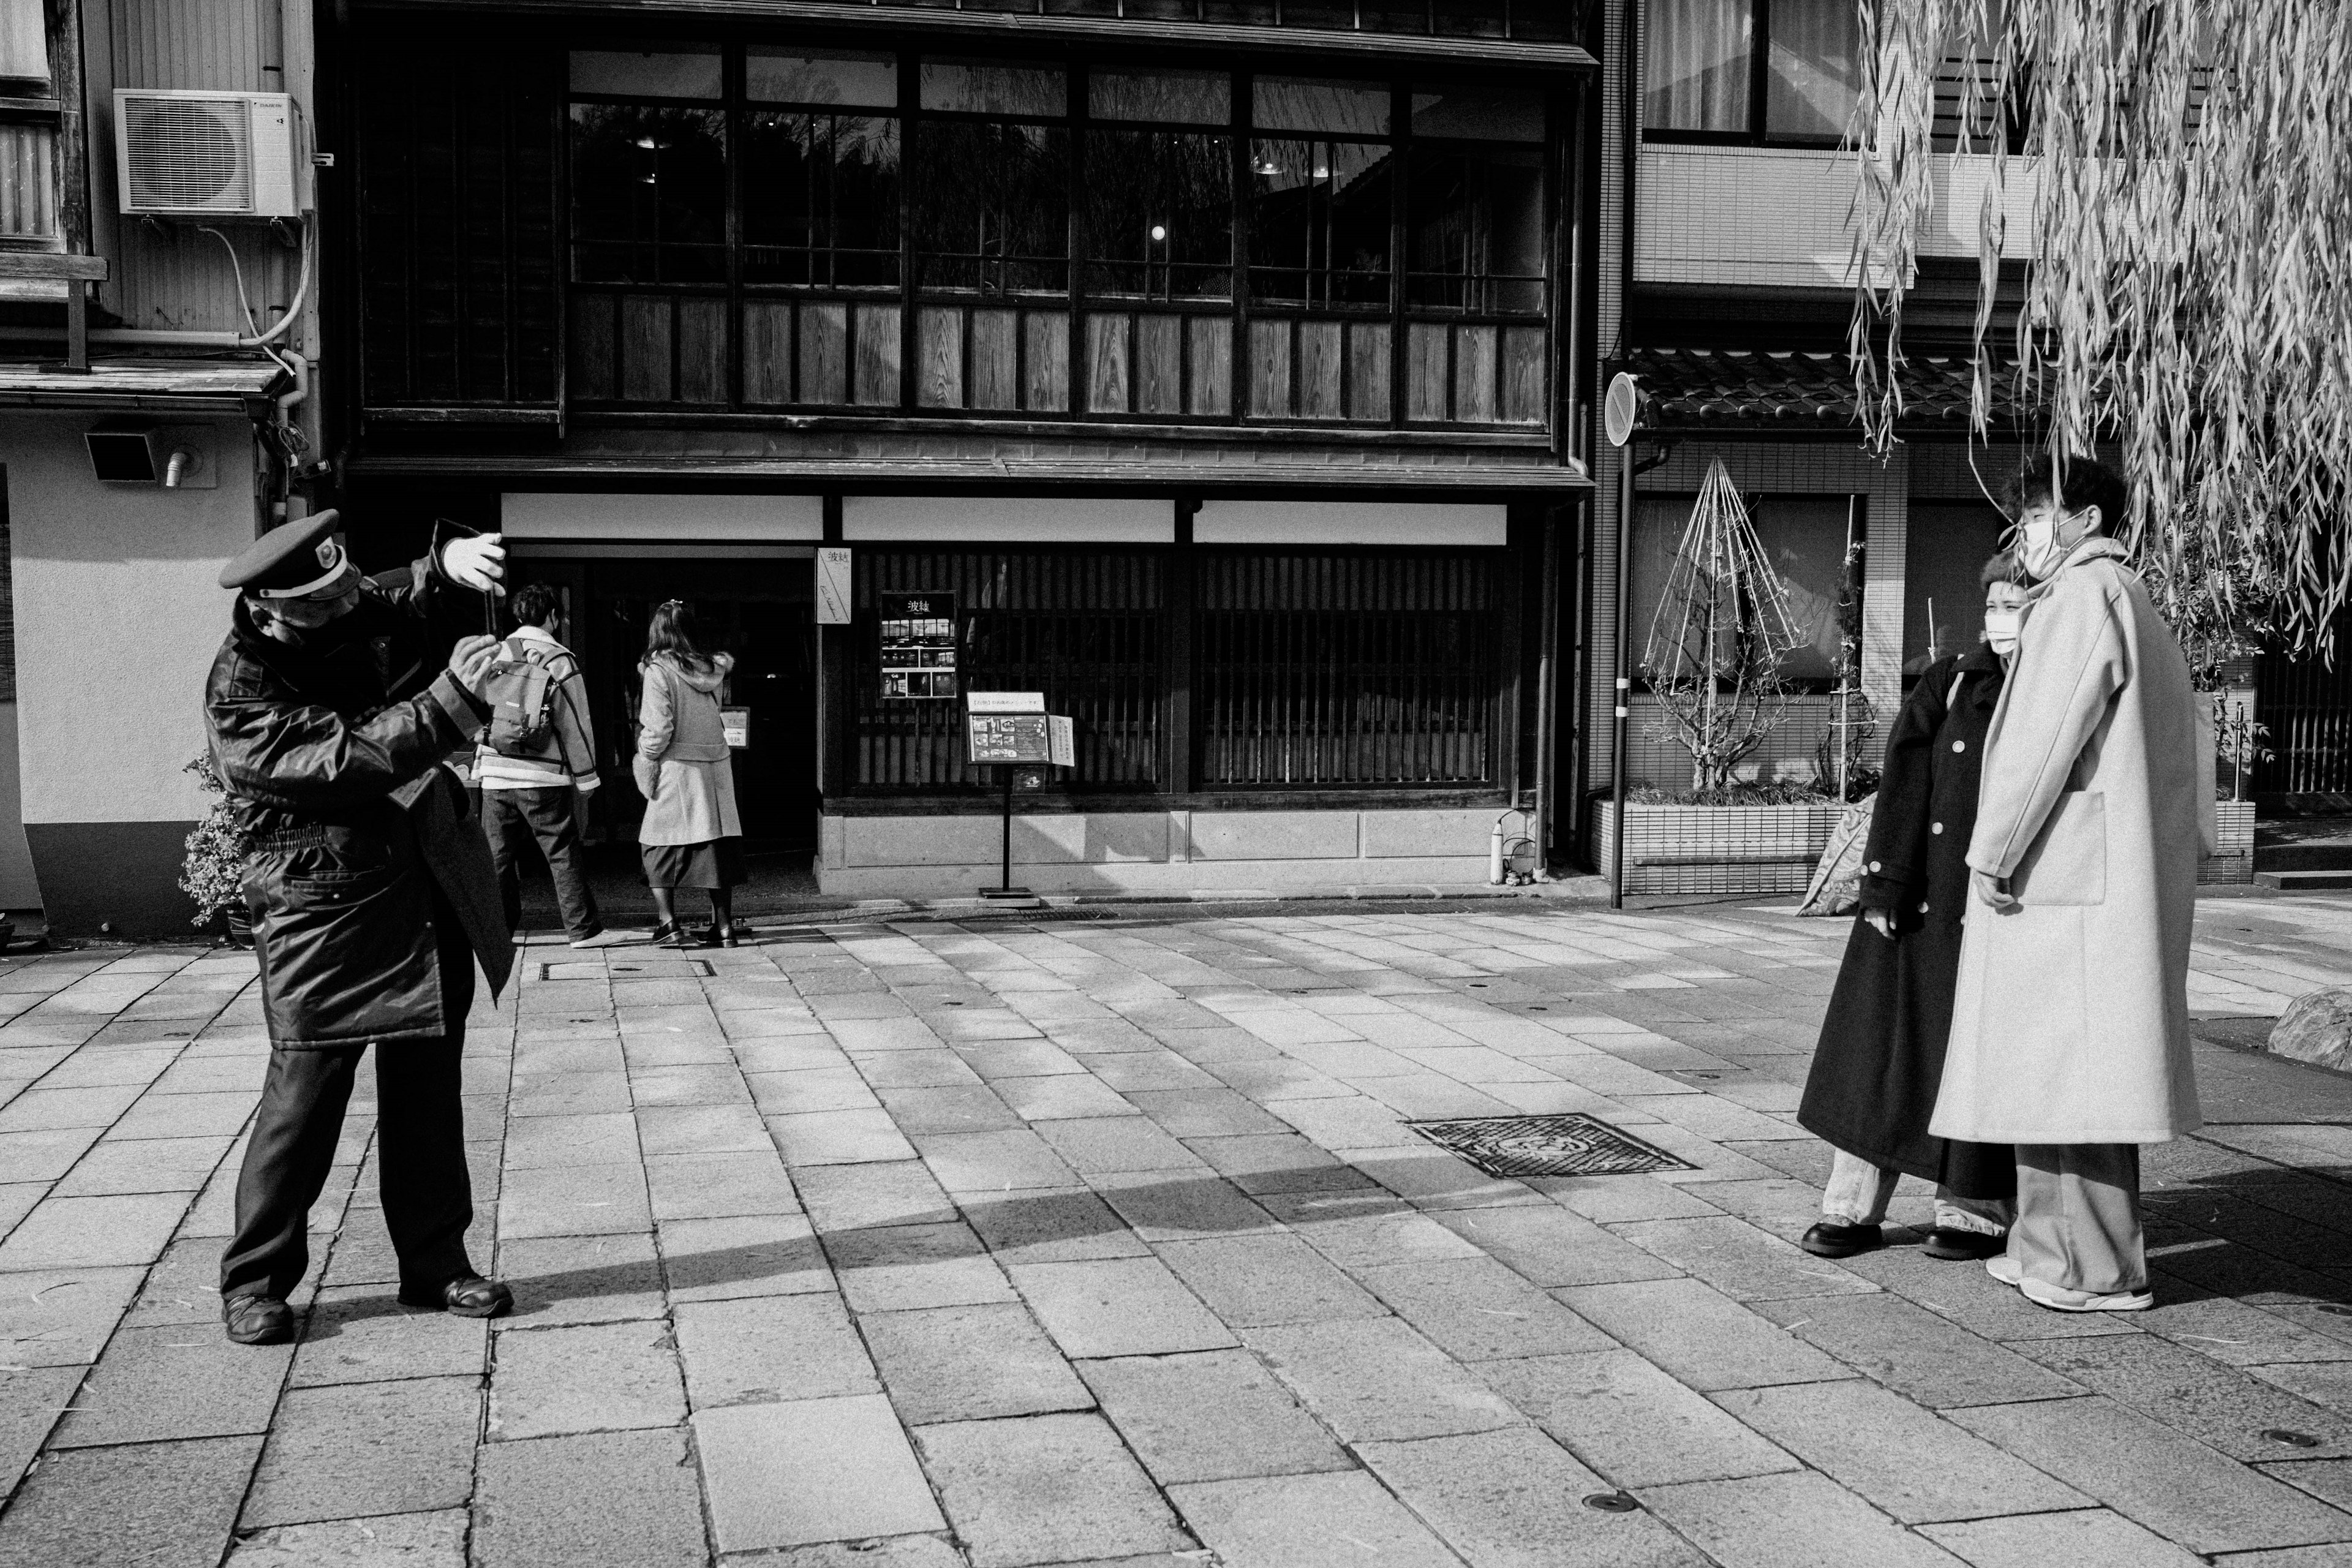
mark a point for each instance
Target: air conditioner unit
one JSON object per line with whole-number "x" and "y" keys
{"x": 208, "y": 155}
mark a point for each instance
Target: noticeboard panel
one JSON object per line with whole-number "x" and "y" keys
{"x": 919, "y": 646}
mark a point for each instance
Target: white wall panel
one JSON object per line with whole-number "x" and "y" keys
{"x": 1348, "y": 523}
{"x": 551, "y": 515}
{"x": 1010, "y": 519}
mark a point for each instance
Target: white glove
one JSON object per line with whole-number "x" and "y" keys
{"x": 479, "y": 564}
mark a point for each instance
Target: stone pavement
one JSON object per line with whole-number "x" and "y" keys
{"x": 1104, "y": 1242}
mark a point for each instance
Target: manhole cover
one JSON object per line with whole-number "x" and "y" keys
{"x": 1548, "y": 1146}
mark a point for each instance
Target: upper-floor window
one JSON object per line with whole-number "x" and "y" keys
{"x": 29, "y": 175}
{"x": 1784, "y": 71}
{"x": 773, "y": 224}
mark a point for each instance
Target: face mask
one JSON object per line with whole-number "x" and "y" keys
{"x": 359, "y": 624}
{"x": 2001, "y": 627}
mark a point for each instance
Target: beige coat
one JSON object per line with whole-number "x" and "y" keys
{"x": 683, "y": 766}
{"x": 2070, "y": 1023}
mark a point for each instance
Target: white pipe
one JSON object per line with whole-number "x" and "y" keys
{"x": 299, "y": 364}
{"x": 177, "y": 469}
{"x": 151, "y": 337}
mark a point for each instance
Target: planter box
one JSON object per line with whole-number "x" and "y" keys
{"x": 1726, "y": 849}
{"x": 2235, "y": 862}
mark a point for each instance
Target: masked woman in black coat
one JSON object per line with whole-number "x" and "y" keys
{"x": 1881, "y": 1057}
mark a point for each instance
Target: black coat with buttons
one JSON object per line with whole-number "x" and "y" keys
{"x": 1881, "y": 1057}
{"x": 366, "y": 873}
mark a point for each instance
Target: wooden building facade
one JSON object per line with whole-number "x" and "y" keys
{"x": 1223, "y": 372}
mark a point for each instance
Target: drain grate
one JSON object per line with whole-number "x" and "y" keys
{"x": 1548, "y": 1146}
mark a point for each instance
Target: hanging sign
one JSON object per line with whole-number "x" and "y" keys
{"x": 833, "y": 586}
{"x": 919, "y": 646}
{"x": 735, "y": 724}
{"x": 1062, "y": 741}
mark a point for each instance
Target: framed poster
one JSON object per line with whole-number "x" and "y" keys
{"x": 918, "y": 647}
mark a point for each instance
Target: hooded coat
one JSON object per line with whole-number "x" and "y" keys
{"x": 2070, "y": 1018}
{"x": 361, "y": 846}
{"x": 1881, "y": 1056}
{"x": 683, "y": 765}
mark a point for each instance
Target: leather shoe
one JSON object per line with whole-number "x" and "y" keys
{"x": 1829, "y": 1239}
{"x": 467, "y": 1296}
{"x": 258, "y": 1319}
{"x": 1954, "y": 1245}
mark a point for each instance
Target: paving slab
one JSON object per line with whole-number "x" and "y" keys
{"x": 762, "y": 1350}
{"x": 753, "y": 1255}
{"x": 1515, "y": 1500}
{"x": 1118, "y": 1306}
{"x": 164, "y": 1383}
{"x": 1552, "y": 1245}
{"x": 590, "y": 1378}
{"x": 607, "y": 1497}
{"x": 1051, "y": 1225}
{"x": 967, "y": 1363}
{"x": 899, "y": 1268}
{"x": 1259, "y": 1281}
{"x": 1699, "y": 1335}
{"x": 2089, "y": 1538}
{"x": 354, "y": 1449}
{"x": 143, "y": 1502}
{"x": 1895, "y": 1455}
{"x": 1795, "y": 1521}
{"x": 580, "y": 1279}
{"x": 2220, "y": 1405}
{"x": 1477, "y": 1309}
{"x": 390, "y": 1541}
{"x": 1308, "y": 1521}
{"x": 1046, "y": 1490}
{"x": 364, "y": 1334}
{"x": 1926, "y": 1358}
{"x": 851, "y": 1197}
{"x": 801, "y": 1471}
{"x": 1209, "y": 1416}
{"x": 1375, "y": 1378}
{"x": 1626, "y": 1419}
{"x": 2149, "y": 1473}
{"x": 62, "y": 1317}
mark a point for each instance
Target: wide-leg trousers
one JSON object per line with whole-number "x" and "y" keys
{"x": 1859, "y": 1192}
{"x": 428, "y": 1199}
{"x": 2078, "y": 1220}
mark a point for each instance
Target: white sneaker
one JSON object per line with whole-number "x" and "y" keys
{"x": 2005, "y": 1268}
{"x": 2058, "y": 1299}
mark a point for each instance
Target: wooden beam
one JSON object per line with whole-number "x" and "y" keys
{"x": 64, "y": 19}
{"x": 52, "y": 265}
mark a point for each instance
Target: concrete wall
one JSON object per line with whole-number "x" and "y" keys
{"x": 1169, "y": 852}
{"x": 117, "y": 615}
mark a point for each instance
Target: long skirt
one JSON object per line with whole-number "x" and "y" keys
{"x": 719, "y": 863}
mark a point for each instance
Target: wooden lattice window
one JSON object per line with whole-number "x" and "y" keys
{"x": 1329, "y": 669}
{"x": 1083, "y": 628}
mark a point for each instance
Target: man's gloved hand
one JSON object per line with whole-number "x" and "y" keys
{"x": 1993, "y": 890}
{"x": 1882, "y": 921}
{"x": 479, "y": 562}
{"x": 470, "y": 661}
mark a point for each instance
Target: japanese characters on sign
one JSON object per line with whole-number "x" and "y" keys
{"x": 919, "y": 646}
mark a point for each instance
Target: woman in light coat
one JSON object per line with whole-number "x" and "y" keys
{"x": 691, "y": 836}
{"x": 2070, "y": 1019}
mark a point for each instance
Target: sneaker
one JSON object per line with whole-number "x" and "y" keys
{"x": 1831, "y": 1239}
{"x": 2006, "y": 1269}
{"x": 2059, "y": 1299}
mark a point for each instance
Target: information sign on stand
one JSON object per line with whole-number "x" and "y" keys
{"x": 1008, "y": 730}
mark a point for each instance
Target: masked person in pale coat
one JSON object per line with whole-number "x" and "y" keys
{"x": 2070, "y": 1021}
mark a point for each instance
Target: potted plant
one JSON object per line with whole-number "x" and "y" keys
{"x": 1713, "y": 662}
{"x": 213, "y": 873}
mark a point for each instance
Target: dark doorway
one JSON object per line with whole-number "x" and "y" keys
{"x": 760, "y": 610}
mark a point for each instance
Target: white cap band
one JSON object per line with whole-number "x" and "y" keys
{"x": 327, "y": 548}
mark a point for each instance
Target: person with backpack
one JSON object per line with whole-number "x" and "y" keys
{"x": 691, "y": 836}
{"x": 536, "y": 764}
{"x": 1881, "y": 1057}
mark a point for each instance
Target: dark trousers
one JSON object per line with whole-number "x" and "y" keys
{"x": 428, "y": 1195}
{"x": 514, "y": 820}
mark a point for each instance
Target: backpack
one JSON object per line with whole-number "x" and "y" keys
{"x": 521, "y": 695}
{"x": 1836, "y": 884}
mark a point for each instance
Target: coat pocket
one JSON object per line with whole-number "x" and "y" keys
{"x": 2068, "y": 864}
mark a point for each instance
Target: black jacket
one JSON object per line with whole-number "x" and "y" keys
{"x": 362, "y": 846}
{"x": 1879, "y": 1063}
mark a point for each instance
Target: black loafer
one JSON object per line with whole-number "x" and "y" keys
{"x": 1955, "y": 1246}
{"x": 258, "y": 1319}
{"x": 1829, "y": 1240}
{"x": 467, "y": 1296}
